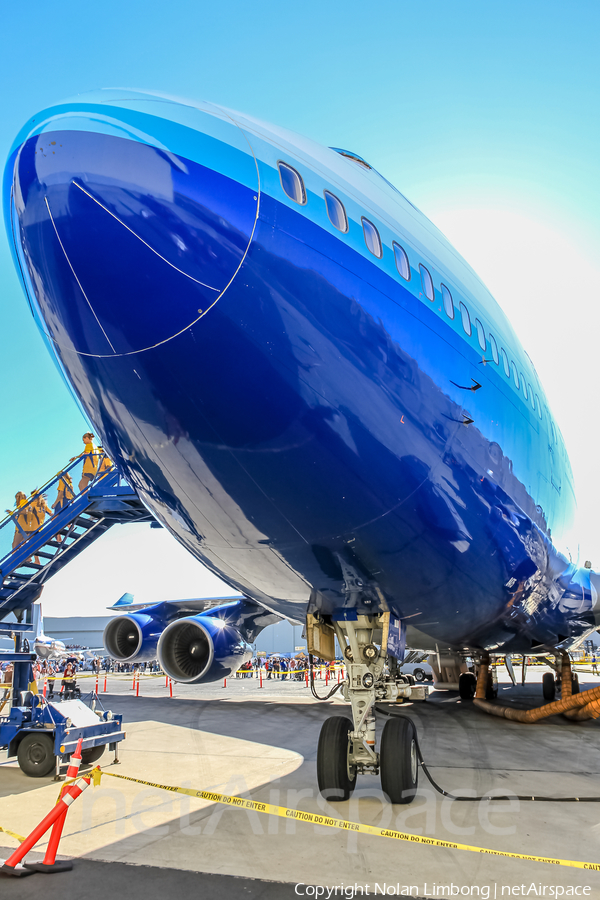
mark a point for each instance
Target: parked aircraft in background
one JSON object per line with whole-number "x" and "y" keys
{"x": 46, "y": 647}
{"x": 310, "y": 389}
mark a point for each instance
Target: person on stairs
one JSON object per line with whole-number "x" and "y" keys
{"x": 90, "y": 461}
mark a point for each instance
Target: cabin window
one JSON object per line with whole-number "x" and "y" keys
{"x": 448, "y": 302}
{"x": 524, "y": 386}
{"x": 402, "y": 263}
{"x": 515, "y": 374}
{"x": 427, "y": 283}
{"x": 505, "y": 361}
{"x": 466, "y": 319}
{"x": 336, "y": 212}
{"x": 292, "y": 184}
{"x": 480, "y": 334}
{"x": 494, "y": 347}
{"x": 372, "y": 239}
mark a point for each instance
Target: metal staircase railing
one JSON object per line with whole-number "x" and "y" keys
{"x": 57, "y": 522}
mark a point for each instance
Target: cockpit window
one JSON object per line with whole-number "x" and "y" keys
{"x": 353, "y": 156}
{"x": 336, "y": 212}
{"x": 372, "y": 239}
{"x": 448, "y": 302}
{"x": 466, "y": 319}
{"x": 505, "y": 361}
{"x": 402, "y": 263}
{"x": 292, "y": 184}
{"x": 524, "y": 386}
{"x": 427, "y": 282}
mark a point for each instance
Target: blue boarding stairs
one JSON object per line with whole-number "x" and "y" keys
{"x": 50, "y": 542}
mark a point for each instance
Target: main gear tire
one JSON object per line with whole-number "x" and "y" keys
{"x": 466, "y": 685}
{"x": 548, "y": 686}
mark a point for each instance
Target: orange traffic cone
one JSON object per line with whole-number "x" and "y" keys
{"x": 49, "y": 863}
{"x": 12, "y": 866}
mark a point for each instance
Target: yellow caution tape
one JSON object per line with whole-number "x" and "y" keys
{"x": 12, "y": 834}
{"x": 311, "y": 818}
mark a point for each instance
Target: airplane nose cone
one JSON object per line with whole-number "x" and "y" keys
{"x": 128, "y": 235}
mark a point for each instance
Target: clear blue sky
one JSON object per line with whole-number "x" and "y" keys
{"x": 472, "y": 108}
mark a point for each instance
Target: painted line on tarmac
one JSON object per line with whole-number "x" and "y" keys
{"x": 313, "y": 819}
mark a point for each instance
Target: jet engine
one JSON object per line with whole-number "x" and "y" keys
{"x": 201, "y": 648}
{"x": 133, "y": 637}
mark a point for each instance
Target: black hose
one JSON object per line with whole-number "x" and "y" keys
{"x": 312, "y": 682}
{"x": 444, "y": 793}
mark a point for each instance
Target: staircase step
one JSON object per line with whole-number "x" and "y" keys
{"x": 31, "y": 565}
{"x": 45, "y": 555}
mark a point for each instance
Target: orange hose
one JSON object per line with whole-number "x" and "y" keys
{"x": 482, "y": 678}
{"x": 567, "y": 689}
{"x": 589, "y": 711}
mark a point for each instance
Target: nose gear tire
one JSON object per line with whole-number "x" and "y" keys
{"x": 398, "y": 761}
{"x": 335, "y": 780}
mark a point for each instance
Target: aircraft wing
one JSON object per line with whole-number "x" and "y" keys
{"x": 125, "y": 603}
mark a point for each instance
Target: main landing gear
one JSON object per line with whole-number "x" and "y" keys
{"x": 551, "y": 682}
{"x": 347, "y": 747}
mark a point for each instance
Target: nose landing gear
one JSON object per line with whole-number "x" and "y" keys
{"x": 347, "y": 748}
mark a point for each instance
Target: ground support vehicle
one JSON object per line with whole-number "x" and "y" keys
{"x": 42, "y": 733}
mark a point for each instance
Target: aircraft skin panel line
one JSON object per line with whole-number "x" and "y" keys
{"x": 323, "y": 416}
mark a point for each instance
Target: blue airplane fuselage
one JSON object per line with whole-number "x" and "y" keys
{"x": 302, "y": 417}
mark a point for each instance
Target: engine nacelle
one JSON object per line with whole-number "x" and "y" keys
{"x": 133, "y": 637}
{"x": 201, "y": 648}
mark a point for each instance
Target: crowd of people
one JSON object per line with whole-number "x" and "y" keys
{"x": 280, "y": 666}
